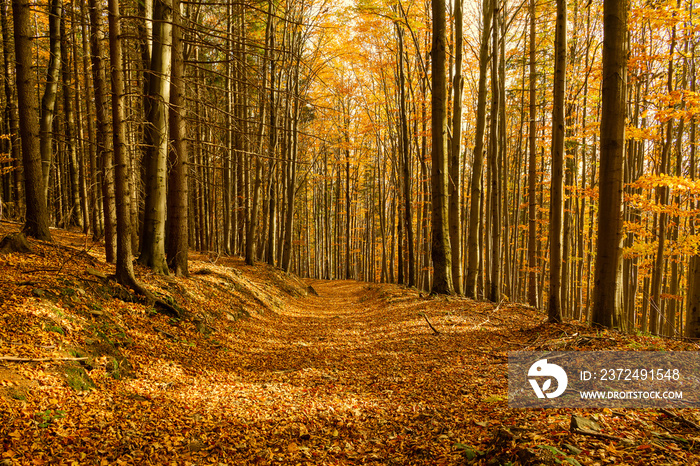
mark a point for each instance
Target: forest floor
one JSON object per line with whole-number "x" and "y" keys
{"x": 259, "y": 370}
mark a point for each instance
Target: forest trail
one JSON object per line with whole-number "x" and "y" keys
{"x": 260, "y": 371}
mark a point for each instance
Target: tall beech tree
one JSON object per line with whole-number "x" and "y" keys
{"x": 493, "y": 238}
{"x": 607, "y": 301}
{"x": 16, "y": 194}
{"x": 441, "y": 251}
{"x": 556, "y": 198}
{"x": 405, "y": 158}
{"x": 75, "y": 214}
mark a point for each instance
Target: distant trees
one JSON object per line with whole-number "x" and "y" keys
{"x": 386, "y": 150}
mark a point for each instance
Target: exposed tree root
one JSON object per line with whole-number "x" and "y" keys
{"x": 152, "y": 300}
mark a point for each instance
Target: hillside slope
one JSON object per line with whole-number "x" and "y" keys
{"x": 259, "y": 371}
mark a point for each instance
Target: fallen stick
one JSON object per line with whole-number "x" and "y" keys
{"x": 16, "y": 359}
{"x": 436, "y": 331}
{"x": 680, "y": 418}
{"x": 597, "y": 434}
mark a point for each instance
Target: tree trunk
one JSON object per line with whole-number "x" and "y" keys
{"x": 125, "y": 267}
{"x": 406, "y": 161}
{"x": 104, "y": 144}
{"x": 92, "y": 188}
{"x": 292, "y": 179}
{"x": 10, "y": 112}
{"x": 662, "y": 193}
{"x": 252, "y": 224}
{"x": 441, "y": 251}
{"x": 76, "y": 213}
{"x": 556, "y": 210}
{"x": 178, "y": 195}
{"x": 37, "y": 218}
{"x": 494, "y": 288}
{"x": 455, "y": 157}
{"x": 473, "y": 256}
{"x": 607, "y": 300}
{"x": 156, "y": 140}
{"x": 532, "y": 293}
{"x": 48, "y": 101}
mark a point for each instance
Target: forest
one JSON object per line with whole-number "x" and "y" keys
{"x": 537, "y": 152}
{"x": 315, "y": 232}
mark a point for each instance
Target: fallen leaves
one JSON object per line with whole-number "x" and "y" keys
{"x": 354, "y": 375}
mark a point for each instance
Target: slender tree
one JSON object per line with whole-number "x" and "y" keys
{"x": 48, "y": 101}
{"x": 473, "y": 251}
{"x": 178, "y": 193}
{"x": 10, "y": 109}
{"x": 493, "y": 291}
{"x": 556, "y": 210}
{"x": 405, "y": 158}
{"x": 532, "y": 293}
{"x": 76, "y": 215}
{"x": 156, "y": 140}
{"x": 455, "y": 180}
{"x": 125, "y": 267}
{"x": 104, "y": 143}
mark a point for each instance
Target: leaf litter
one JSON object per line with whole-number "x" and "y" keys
{"x": 261, "y": 371}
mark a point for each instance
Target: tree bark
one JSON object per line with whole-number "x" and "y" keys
{"x": 10, "y": 112}
{"x": 406, "y": 160}
{"x": 76, "y": 214}
{"x": 124, "y": 265}
{"x": 494, "y": 288}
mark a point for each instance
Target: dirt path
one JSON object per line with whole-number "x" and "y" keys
{"x": 362, "y": 372}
